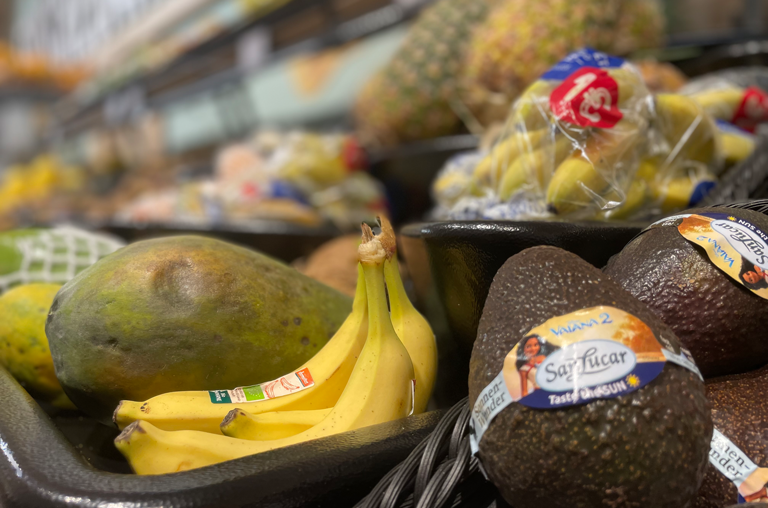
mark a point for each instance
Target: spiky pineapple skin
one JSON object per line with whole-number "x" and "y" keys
{"x": 412, "y": 97}
{"x": 520, "y": 40}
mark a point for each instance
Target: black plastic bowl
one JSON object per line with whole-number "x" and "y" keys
{"x": 464, "y": 257}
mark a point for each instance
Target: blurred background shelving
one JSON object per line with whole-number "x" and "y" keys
{"x": 159, "y": 87}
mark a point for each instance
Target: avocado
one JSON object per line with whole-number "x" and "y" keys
{"x": 740, "y": 412}
{"x": 645, "y": 448}
{"x": 184, "y": 313}
{"x": 720, "y": 321}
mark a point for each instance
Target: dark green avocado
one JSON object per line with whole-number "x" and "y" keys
{"x": 184, "y": 313}
{"x": 740, "y": 412}
{"x": 648, "y": 448}
{"x": 721, "y": 322}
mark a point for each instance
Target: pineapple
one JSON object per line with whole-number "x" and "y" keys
{"x": 412, "y": 97}
{"x": 521, "y": 39}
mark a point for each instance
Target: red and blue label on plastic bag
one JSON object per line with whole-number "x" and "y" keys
{"x": 752, "y": 110}
{"x": 588, "y": 95}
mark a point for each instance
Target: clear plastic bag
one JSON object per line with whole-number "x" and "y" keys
{"x": 570, "y": 143}
{"x": 725, "y": 99}
{"x": 589, "y": 141}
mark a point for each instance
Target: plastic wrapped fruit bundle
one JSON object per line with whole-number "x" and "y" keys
{"x": 297, "y": 177}
{"x": 589, "y": 141}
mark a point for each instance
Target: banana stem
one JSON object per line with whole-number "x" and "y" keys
{"x": 379, "y": 322}
{"x": 372, "y": 254}
{"x": 360, "y": 301}
{"x": 398, "y": 298}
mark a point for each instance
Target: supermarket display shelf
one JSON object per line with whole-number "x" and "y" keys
{"x": 216, "y": 64}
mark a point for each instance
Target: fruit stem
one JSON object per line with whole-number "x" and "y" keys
{"x": 379, "y": 322}
{"x": 372, "y": 255}
{"x": 398, "y": 298}
{"x": 370, "y": 251}
{"x": 360, "y": 303}
{"x": 387, "y": 237}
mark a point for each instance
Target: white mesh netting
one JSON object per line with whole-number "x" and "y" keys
{"x": 57, "y": 255}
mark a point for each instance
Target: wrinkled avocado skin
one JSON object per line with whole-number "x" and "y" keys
{"x": 721, "y": 322}
{"x": 184, "y": 313}
{"x": 647, "y": 448}
{"x": 740, "y": 412}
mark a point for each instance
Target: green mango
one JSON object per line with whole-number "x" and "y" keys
{"x": 184, "y": 313}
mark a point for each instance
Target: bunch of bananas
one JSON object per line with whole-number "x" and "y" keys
{"x": 569, "y": 165}
{"x": 678, "y": 163}
{"x": 379, "y": 366}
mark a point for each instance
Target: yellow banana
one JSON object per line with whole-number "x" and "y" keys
{"x": 736, "y": 147}
{"x": 379, "y": 390}
{"x": 531, "y": 110}
{"x": 687, "y": 127}
{"x": 489, "y": 170}
{"x": 268, "y": 426}
{"x": 648, "y": 169}
{"x": 533, "y": 169}
{"x": 414, "y": 331}
{"x": 677, "y": 193}
{"x": 635, "y": 198}
{"x": 330, "y": 369}
{"x": 720, "y": 103}
{"x": 630, "y": 83}
{"x": 583, "y": 178}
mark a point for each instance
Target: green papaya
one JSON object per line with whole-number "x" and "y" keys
{"x": 184, "y": 313}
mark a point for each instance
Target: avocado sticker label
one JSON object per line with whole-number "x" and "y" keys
{"x": 285, "y": 385}
{"x": 735, "y": 246}
{"x": 596, "y": 353}
{"x": 734, "y": 464}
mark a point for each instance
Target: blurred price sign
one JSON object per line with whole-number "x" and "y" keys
{"x": 124, "y": 106}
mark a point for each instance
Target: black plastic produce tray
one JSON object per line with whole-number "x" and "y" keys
{"x": 41, "y": 468}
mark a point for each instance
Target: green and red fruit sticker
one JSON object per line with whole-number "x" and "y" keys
{"x": 284, "y": 385}
{"x": 597, "y": 353}
{"x": 735, "y": 246}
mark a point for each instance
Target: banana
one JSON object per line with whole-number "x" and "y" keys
{"x": 630, "y": 83}
{"x": 489, "y": 170}
{"x": 330, "y": 369}
{"x": 674, "y": 194}
{"x": 736, "y": 146}
{"x": 720, "y": 103}
{"x": 379, "y": 390}
{"x": 583, "y": 178}
{"x": 634, "y": 199}
{"x": 688, "y": 129}
{"x": 268, "y": 426}
{"x": 648, "y": 169}
{"x": 533, "y": 169}
{"x": 414, "y": 331}
{"x": 531, "y": 110}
